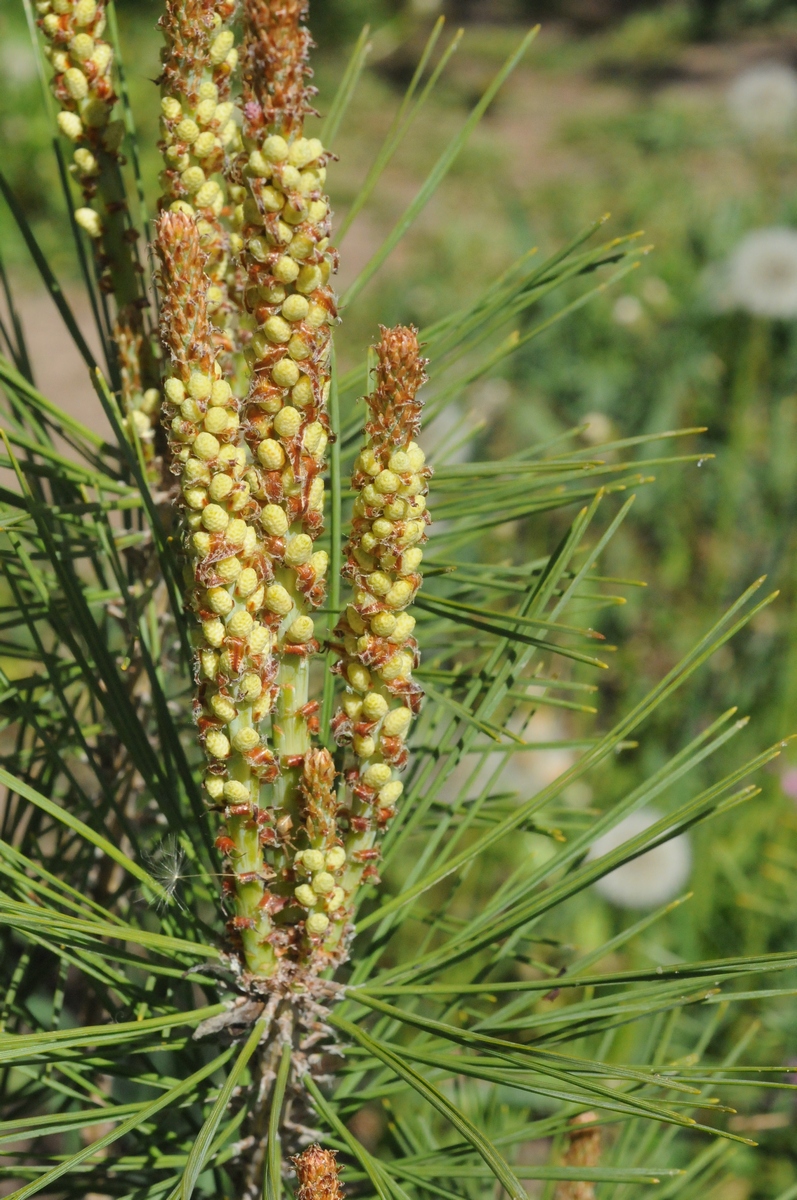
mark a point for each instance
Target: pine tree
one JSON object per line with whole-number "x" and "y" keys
{"x": 264, "y": 671}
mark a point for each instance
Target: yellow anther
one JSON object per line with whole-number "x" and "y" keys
{"x": 236, "y": 792}
{"x": 309, "y": 279}
{"x": 275, "y": 148}
{"x": 299, "y": 550}
{"x": 270, "y": 454}
{"x": 295, "y": 308}
{"x": 187, "y": 131}
{"x": 213, "y": 632}
{"x": 397, "y": 722}
{"x": 416, "y": 456}
{"x": 215, "y": 518}
{"x": 352, "y": 706}
{"x": 240, "y": 624}
{"x": 285, "y": 269}
{"x": 317, "y": 316}
{"x": 76, "y": 83}
{"x": 220, "y": 47}
{"x": 319, "y": 562}
{"x": 214, "y": 786}
{"x": 390, "y": 793}
{"x": 317, "y": 924}
{"x": 277, "y": 330}
{"x": 220, "y": 392}
{"x": 358, "y": 676}
{"x": 229, "y": 568}
{"x": 259, "y": 640}
{"x": 379, "y": 583}
{"x": 201, "y": 543}
{"x": 302, "y": 393}
{"x": 245, "y": 740}
{"x": 258, "y": 165}
{"x": 374, "y": 706}
{"x": 285, "y": 373}
{"x": 288, "y": 421}
{"x": 171, "y": 108}
{"x": 199, "y": 385}
{"x": 377, "y": 775}
{"x": 192, "y": 179}
{"x": 274, "y": 520}
{"x": 316, "y": 497}
{"x": 323, "y": 883}
{"x": 335, "y": 858}
{"x": 387, "y": 482}
{"x": 237, "y": 532}
{"x": 278, "y": 599}
{"x": 298, "y": 348}
{"x": 301, "y": 246}
{"x": 195, "y": 497}
{"x": 300, "y": 631}
{"x": 207, "y": 195}
{"x": 316, "y": 211}
{"x": 89, "y": 221}
{"x": 205, "y": 144}
{"x": 247, "y": 582}
{"x": 251, "y": 686}
{"x": 305, "y": 895}
{"x": 223, "y": 708}
{"x": 272, "y": 199}
{"x": 216, "y": 420}
{"x": 209, "y": 663}
{"x": 411, "y": 560}
{"x": 217, "y": 744}
{"x": 219, "y": 601}
{"x": 70, "y": 125}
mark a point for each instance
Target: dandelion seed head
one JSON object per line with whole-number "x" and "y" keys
{"x": 166, "y": 864}
{"x": 652, "y": 878}
{"x": 761, "y": 276}
{"x": 762, "y": 100}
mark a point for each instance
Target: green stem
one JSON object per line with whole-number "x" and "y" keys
{"x": 335, "y": 524}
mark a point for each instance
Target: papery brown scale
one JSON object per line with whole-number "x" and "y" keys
{"x": 317, "y": 1172}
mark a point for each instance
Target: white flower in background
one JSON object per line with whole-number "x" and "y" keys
{"x": 763, "y": 99}
{"x": 627, "y": 310}
{"x": 597, "y": 428}
{"x": 652, "y": 878}
{"x": 761, "y": 275}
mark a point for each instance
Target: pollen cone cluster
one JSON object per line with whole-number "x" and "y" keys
{"x": 227, "y": 574}
{"x": 83, "y": 86}
{"x": 283, "y": 223}
{"x": 377, "y": 649}
{"x": 197, "y": 128}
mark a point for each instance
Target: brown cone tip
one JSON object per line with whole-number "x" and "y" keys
{"x": 274, "y": 66}
{"x": 400, "y": 374}
{"x": 183, "y": 285}
{"x": 317, "y": 1172}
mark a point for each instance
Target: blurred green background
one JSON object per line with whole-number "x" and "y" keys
{"x": 678, "y": 119}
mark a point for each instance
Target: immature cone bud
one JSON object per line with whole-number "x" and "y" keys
{"x": 377, "y": 650}
{"x": 317, "y": 1172}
